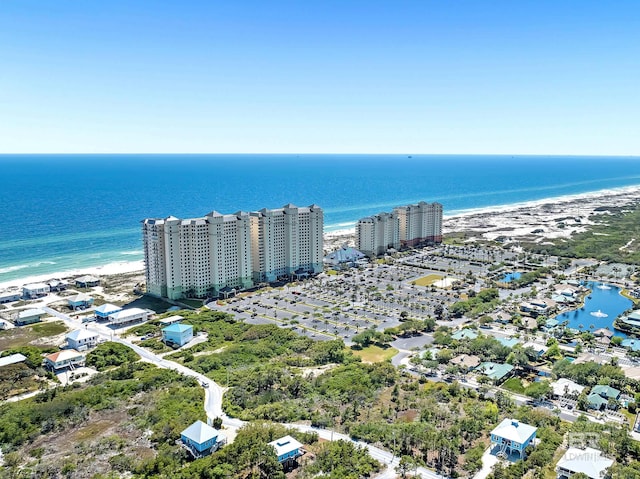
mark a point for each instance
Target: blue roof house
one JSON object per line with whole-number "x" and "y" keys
{"x": 512, "y": 437}
{"x": 106, "y": 310}
{"x": 177, "y": 333}
{"x": 201, "y": 439}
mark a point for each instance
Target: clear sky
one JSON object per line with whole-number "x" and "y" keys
{"x": 477, "y": 76}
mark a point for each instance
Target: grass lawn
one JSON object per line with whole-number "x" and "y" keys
{"x": 149, "y": 302}
{"x": 23, "y": 335}
{"x": 375, "y": 354}
{"x": 427, "y": 280}
{"x": 514, "y": 385}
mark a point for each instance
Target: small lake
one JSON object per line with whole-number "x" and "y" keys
{"x": 507, "y": 278}
{"x": 601, "y": 307}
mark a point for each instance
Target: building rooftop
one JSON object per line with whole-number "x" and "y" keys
{"x": 464, "y": 334}
{"x": 605, "y": 391}
{"x": 125, "y": 313}
{"x": 80, "y": 334}
{"x": 566, "y": 386}
{"x": 35, "y": 286}
{"x": 27, "y": 313}
{"x": 588, "y": 461}
{"x": 12, "y": 359}
{"x": 177, "y": 328}
{"x": 514, "y": 430}
{"x": 80, "y": 298}
{"x": 495, "y": 371}
{"x": 87, "y": 279}
{"x": 171, "y": 319}
{"x": 64, "y": 355}
{"x": 108, "y": 308}
{"x": 200, "y": 432}
{"x": 285, "y": 445}
{"x": 508, "y": 342}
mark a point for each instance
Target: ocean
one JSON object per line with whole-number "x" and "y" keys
{"x": 64, "y": 212}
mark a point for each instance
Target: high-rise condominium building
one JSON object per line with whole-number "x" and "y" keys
{"x": 406, "y": 226}
{"x": 286, "y": 241}
{"x": 203, "y": 256}
{"x": 376, "y": 234}
{"x": 420, "y": 223}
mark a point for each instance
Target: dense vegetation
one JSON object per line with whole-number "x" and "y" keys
{"x": 111, "y": 354}
{"x": 605, "y": 240}
{"x": 483, "y": 302}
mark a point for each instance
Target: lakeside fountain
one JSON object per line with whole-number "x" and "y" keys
{"x": 603, "y": 286}
{"x": 599, "y": 314}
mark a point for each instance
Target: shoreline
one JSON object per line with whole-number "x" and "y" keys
{"x": 516, "y": 220}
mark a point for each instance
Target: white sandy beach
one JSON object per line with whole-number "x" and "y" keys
{"x": 534, "y": 221}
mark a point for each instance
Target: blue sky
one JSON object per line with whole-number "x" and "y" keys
{"x": 509, "y": 77}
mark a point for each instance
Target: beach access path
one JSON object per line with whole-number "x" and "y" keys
{"x": 213, "y": 398}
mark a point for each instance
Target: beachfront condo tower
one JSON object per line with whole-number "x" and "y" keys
{"x": 375, "y": 235}
{"x": 419, "y": 223}
{"x": 218, "y": 253}
{"x": 405, "y": 227}
{"x": 286, "y": 242}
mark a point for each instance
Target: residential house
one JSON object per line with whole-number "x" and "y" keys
{"x": 464, "y": 334}
{"x": 29, "y": 316}
{"x": 80, "y": 301}
{"x": 130, "y": 315}
{"x": 587, "y": 461}
{"x": 497, "y": 372}
{"x": 512, "y": 437}
{"x": 35, "y": 290}
{"x": 177, "y": 333}
{"x": 106, "y": 310}
{"x": 81, "y": 339}
{"x": 287, "y": 449}
{"x": 564, "y": 387}
{"x": 65, "y": 359}
{"x": 201, "y": 439}
{"x": 466, "y": 362}
{"x": 87, "y": 281}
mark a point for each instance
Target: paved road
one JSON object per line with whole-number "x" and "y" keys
{"x": 213, "y": 397}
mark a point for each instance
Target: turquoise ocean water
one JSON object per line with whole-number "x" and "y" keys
{"x": 65, "y": 212}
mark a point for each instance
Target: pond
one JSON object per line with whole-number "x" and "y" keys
{"x": 508, "y": 277}
{"x": 601, "y": 307}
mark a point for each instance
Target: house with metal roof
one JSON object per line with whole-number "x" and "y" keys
{"x": 129, "y": 315}
{"x": 177, "y": 333}
{"x": 606, "y": 392}
{"x": 80, "y": 301}
{"x": 464, "y": 334}
{"x": 12, "y": 359}
{"x": 30, "y": 316}
{"x": 35, "y": 290}
{"x": 495, "y": 371}
{"x": 587, "y": 461}
{"x": 201, "y": 439}
{"x": 105, "y": 310}
{"x": 512, "y": 437}
{"x": 81, "y": 339}
{"x": 87, "y": 281}
{"x": 287, "y": 449}
{"x": 508, "y": 342}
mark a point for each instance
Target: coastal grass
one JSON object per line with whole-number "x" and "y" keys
{"x": 427, "y": 280}
{"x": 22, "y": 336}
{"x": 150, "y": 302}
{"x": 375, "y": 354}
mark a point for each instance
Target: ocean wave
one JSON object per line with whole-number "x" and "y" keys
{"x": 132, "y": 253}
{"x": 18, "y": 267}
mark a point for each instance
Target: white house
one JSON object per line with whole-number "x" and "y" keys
{"x": 287, "y": 448}
{"x": 35, "y": 290}
{"x": 68, "y": 358}
{"x": 129, "y": 315}
{"x": 588, "y": 461}
{"x": 566, "y": 387}
{"x": 81, "y": 339}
